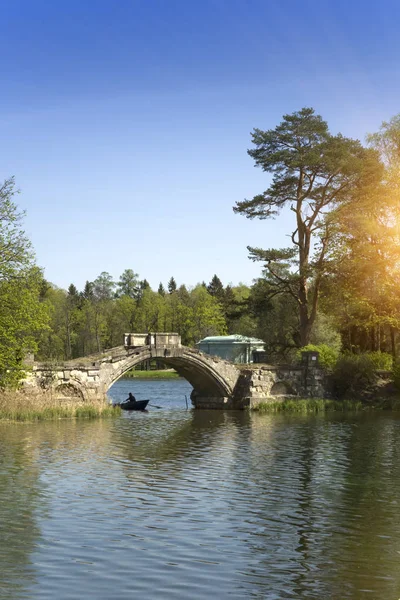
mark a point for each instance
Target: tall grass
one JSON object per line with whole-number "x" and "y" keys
{"x": 306, "y": 406}
{"x": 18, "y": 407}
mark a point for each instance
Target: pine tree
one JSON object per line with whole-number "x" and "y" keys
{"x": 72, "y": 291}
{"x": 215, "y": 288}
{"x": 88, "y": 290}
{"x": 171, "y": 285}
{"x": 315, "y": 173}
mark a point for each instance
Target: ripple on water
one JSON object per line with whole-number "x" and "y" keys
{"x": 181, "y": 504}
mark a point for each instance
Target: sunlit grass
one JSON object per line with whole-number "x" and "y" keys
{"x": 133, "y": 374}
{"x": 306, "y": 406}
{"x": 20, "y": 408}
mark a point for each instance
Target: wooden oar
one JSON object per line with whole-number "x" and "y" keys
{"x": 154, "y": 406}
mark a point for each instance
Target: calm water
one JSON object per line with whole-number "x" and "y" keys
{"x": 181, "y": 504}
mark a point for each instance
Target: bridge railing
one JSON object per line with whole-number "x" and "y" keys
{"x": 135, "y": 340}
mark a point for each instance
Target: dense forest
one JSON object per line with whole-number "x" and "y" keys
{"x": 336, "y": 284}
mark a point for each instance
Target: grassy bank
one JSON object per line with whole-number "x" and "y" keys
{"x": 309, "y": 405}
{"x": 151, "y": 374}
{"x": 18, "y": 407}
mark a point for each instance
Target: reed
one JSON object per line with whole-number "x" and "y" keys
{"x": 20, "y": 407}
{"x": 309, "y": 405}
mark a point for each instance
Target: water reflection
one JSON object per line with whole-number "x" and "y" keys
{"x": 19, "y": 497}
{"x": 203, "y": 504}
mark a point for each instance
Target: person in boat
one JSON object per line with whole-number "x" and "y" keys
{"x": 130, "y": 398}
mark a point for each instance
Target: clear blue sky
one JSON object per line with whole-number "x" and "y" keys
{"x": 126, "y": 123}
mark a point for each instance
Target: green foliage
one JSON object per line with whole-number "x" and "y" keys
{"x": 206, "y": 316}
{"x": 128, "y": 284}
{"x": 15, "y": 248}
{"x": 328, "y": 356}
{"x": 362, "y": 290}
{"x": 22, "y": 317}
{"x": 103, "y": 287}
{"x": 396, "y": 375}
{"x": 82, "y": 324}
{"x": 215, "y": 288}
{"x": 355, "y": 375}
{"x": 380, "y": 360}
{"x": 275, "y": 318}
{"x": 171, "y": 285}
{"x": 325, "y": 332}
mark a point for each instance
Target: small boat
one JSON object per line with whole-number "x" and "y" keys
{"x": 136, "y": 405}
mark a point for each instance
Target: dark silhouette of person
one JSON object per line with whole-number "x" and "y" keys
{"x": 130, "y": 398}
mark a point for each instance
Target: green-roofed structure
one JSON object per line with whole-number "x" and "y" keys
{"x": 236, "y": 348}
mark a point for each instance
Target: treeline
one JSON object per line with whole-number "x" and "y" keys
{"x": 95, "y": 318}
{"x": 86, "y": 321}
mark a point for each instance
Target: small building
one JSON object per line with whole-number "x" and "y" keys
{"x": 236, "y": 348}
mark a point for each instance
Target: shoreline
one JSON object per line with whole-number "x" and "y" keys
{"x": 133, "y": 374}
{"x": 16, "y": 407}
{"x": 322, "y": 405}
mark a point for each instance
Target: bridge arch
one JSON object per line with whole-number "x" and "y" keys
{"x": 209, "y": 376}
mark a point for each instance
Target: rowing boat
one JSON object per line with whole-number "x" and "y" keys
{"x": 137, "y": 405}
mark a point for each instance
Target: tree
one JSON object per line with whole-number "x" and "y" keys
{"x": 362, "y": 289}
{"x": 144, "y": 285}
{"x": 276, "y": 319}
{"x": 87, "y": 293}
{"x": 103, "y": 286}
{"x": 149, "y": 313}
{"x": 128, "y": 284}
{"x": 23, "y": 314}
{"x": 314, "y": 173}
{"x": 72, "y": 291}
{"x": 15, "y": 248}
{"x": 207, "y": 317}
{"x": 161, "y": 290}
{"x": 171, "y": 285}
{"x": 239, "y": 318}
{"x": 23, "y": 317}
{"x": 54, "y": 342}
{"x": 215, "y": 288}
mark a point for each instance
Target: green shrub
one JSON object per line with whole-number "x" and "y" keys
{"x": 354, "y": 374}
{"x": 396, "y": 375}
{"x": 327, "y": 355}
{"x": 380, "y": 360}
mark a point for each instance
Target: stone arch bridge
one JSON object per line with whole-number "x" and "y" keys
{"x": 217, "y": 383}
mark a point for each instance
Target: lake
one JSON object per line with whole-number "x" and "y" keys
{"x": 175, "y": 503}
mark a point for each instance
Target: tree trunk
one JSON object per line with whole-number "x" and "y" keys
{"x": 372, "y": 339}
{"x": 306, "y": 321}
{"x": 393, "y": 342}
{"x": 305, "y": 327}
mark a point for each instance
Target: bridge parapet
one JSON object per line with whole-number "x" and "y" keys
{"x": 136, "y": 340}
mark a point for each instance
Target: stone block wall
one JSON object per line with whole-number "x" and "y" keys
{"x": 279, "y": 382}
